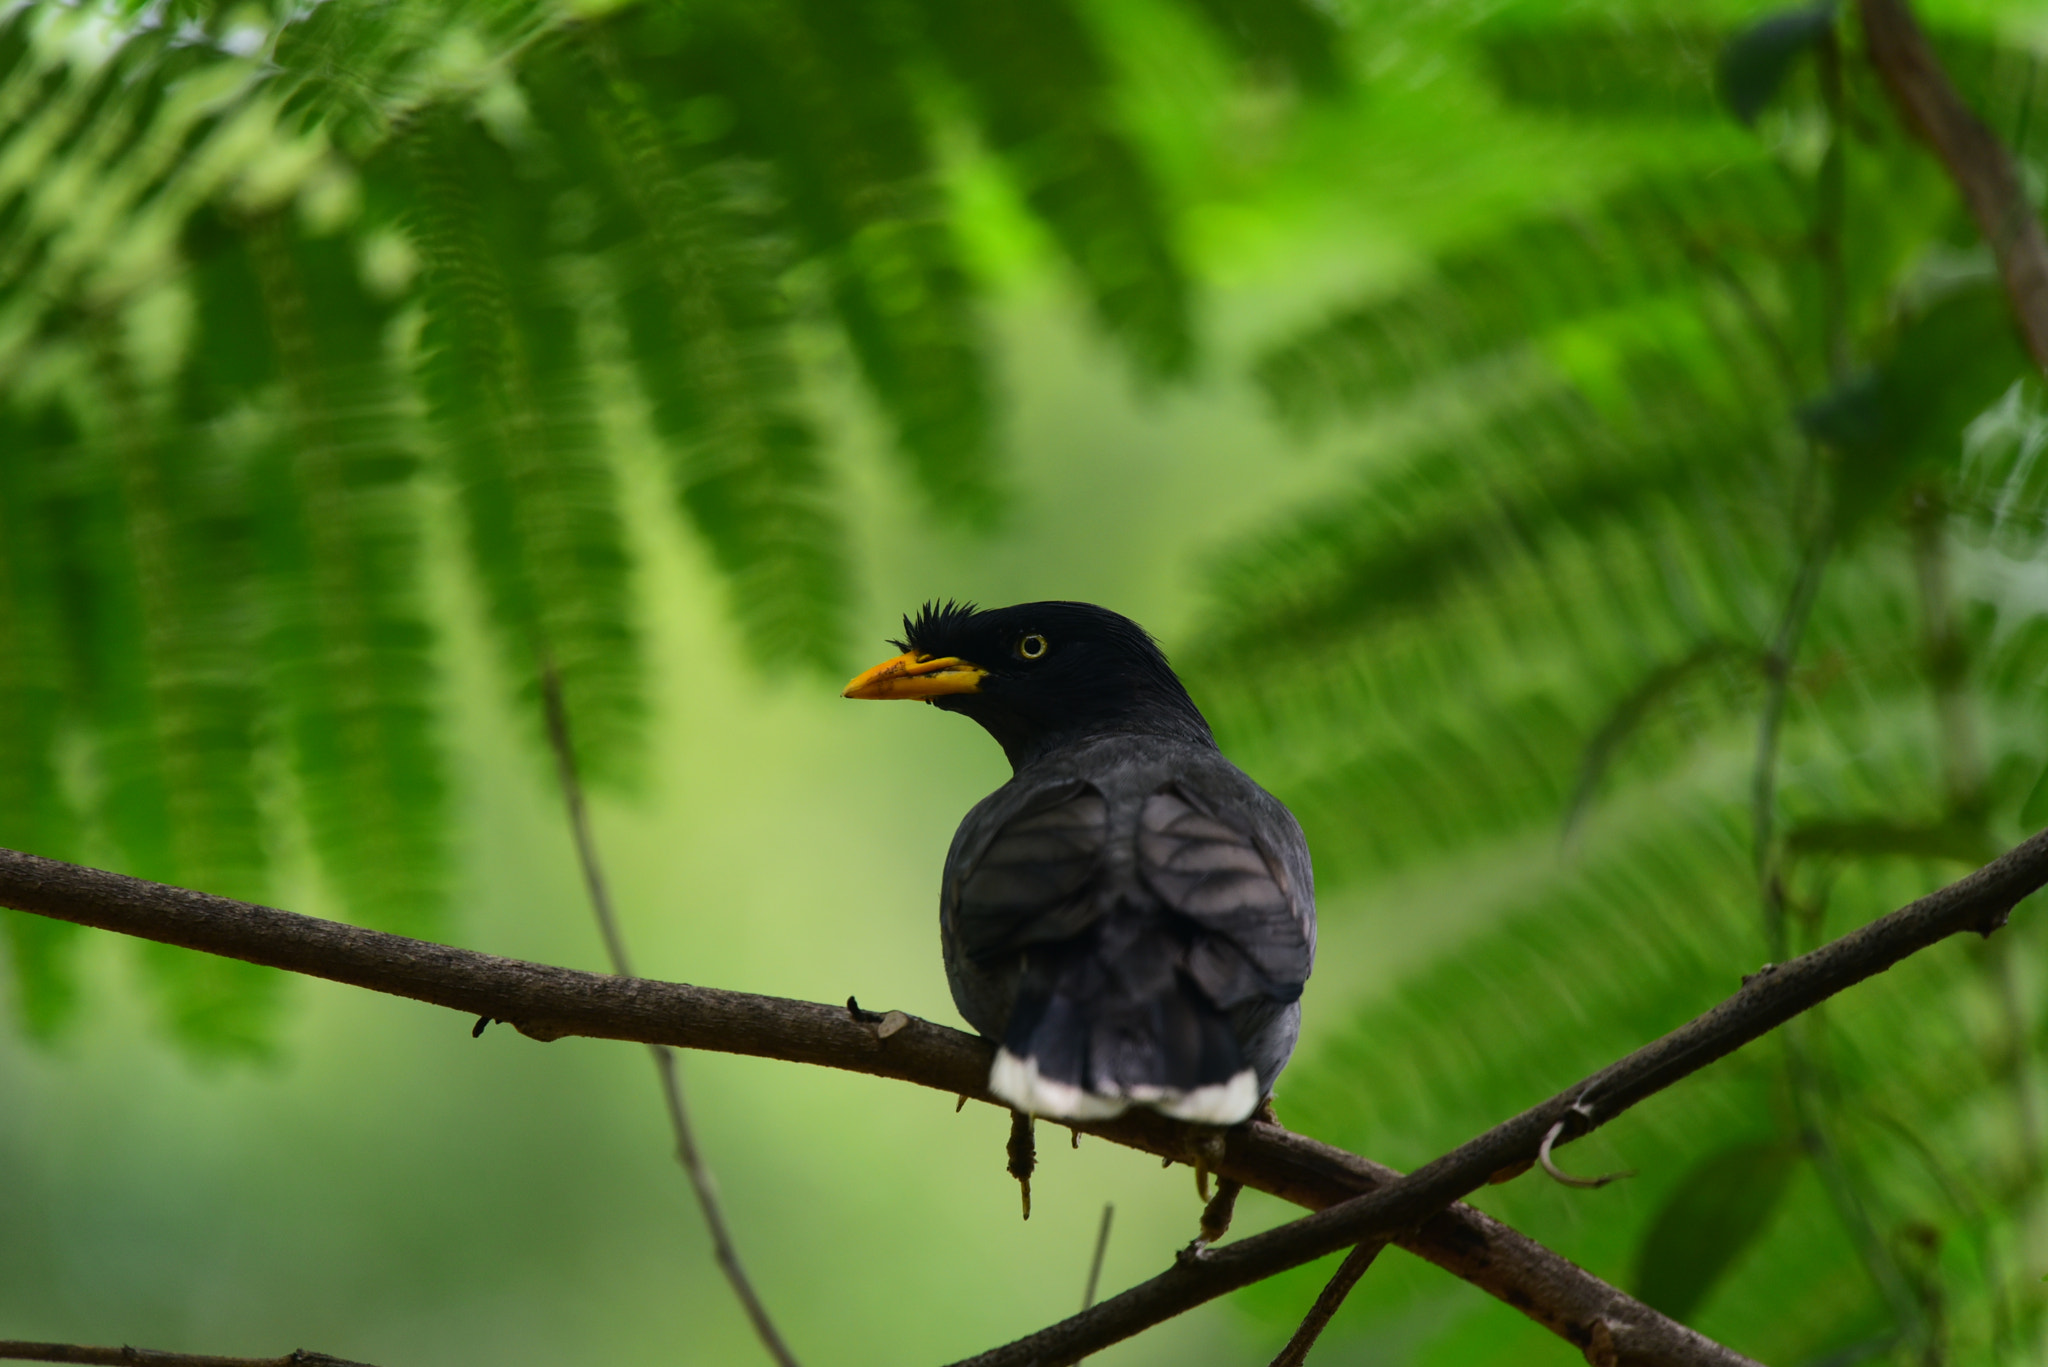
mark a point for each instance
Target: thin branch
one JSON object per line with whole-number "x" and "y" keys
{"x": 1980, "y": 902}
{"x": 551, "y": 1003}
{"x": 16, "y": 1350}
{"x": 687, "y": 1153}
{"x": 1101, "y": 1248}
{"x": 1328, "y": 1300}
{"x": 1979, "y": 165}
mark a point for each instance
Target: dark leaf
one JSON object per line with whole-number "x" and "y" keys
{"x": 1301, "y": 36}
{"x": 1716, "y": 1211}
{"x": 1757, "y": 60}
{"x": 2034, "y": 811}
{"x": 1964, "y": 842}
{"x": 1904, "y": 420}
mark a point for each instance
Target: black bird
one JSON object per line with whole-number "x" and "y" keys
{"x": 1129, "y": 917}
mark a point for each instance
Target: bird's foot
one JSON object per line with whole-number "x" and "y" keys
{"x": 1023, "y": 1155}
{"x": 1217, "y": 1213}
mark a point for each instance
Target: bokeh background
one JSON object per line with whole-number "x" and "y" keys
{"x": 1577, "y": 454}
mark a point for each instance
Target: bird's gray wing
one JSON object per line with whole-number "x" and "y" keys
{"x": 1207, "y": 861}
{"x": 1031, "y": 879}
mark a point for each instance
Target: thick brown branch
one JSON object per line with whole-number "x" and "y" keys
{"x": 14, "y": 1350}
{"x": 1980, "y": 902}
{"x": 548, "y": 1003}
{"x": 1978, "y": 163}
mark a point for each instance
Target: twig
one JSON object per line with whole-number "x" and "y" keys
{"x": 1973, "y": 157}
{"x": 1101, "y": 1247}
{"x": 545, "y": 1002}
{"x": 1327, "y": 1302}
{"x": 17, "y": 1350}
{"x": 1980, "y": 902}
{"x": 687, "y": 1153}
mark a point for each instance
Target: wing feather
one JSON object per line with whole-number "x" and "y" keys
{"x": 1215, "y": 871}
{"x": 1034, "y": 882}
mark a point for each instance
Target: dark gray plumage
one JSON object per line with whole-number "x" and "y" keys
{"x": 1130, "y": 917}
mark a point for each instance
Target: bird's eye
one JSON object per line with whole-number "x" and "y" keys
{"x": 1031, "y": 647}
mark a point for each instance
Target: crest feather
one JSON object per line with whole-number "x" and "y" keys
{"x": 934, "y": 621}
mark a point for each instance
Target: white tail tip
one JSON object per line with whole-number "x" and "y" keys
{"x": 1017, "y": 1081}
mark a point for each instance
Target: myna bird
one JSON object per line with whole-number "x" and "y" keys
{"x": 1129, "y": 917}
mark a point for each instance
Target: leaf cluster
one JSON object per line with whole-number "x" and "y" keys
{"x": 289, "y": 299}
{"x": 1691, "y": 630}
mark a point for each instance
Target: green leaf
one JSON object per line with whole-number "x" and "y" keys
{"x": 1041, "y": 93}
{"x": 1641, "y": 243}
{"x": 509, "y": 392}
{"x": 2034, "y": 811}
{"x": 698, "y": 284}
{"x": 1905, "y": 419}
{"x": 1721, "y": 1206}
{"x": 1300, "y": 36}
{"x": 2000, "y": 491}
{"x": 1959, "y": 841}
{"x": 286, "y": 329}
{"x": 1636, "y": 707}
{"x": 36, "y": 812}
{"x": 1757, "y": 61}
{"x": 822, "y": 91}
{"x": 1651, "y": 65}
{"x": 158, "y": 565}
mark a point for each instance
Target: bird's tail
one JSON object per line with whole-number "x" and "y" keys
{"x": 1115, "y": 1020}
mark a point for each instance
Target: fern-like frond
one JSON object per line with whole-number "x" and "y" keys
{"x": 306, "y": 374}
{"x": 1040, "y": 94}
{"x": 697, "y": 267}
{"x": 1578, "y": 963}
{"x": 505, "y": 381}
{"x": 1467, "y": 510}
{"x": 159, "y": 551}
{"x": 822, "y": 93}
{"x": 36, "y": 813}
{"x": 1648, "y": 66}
{"x": 1670, "y": 232}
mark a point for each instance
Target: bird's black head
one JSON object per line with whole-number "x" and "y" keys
{"x": 1038, "y": 675}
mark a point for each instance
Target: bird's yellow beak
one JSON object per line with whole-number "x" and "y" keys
{"x": 912, "y": 675}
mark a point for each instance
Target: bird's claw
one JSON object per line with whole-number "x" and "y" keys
{"x": 1217, "y": 1214}
{"x": 1023, "y": 1151}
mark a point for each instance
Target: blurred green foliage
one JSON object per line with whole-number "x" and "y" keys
{"x": 1689, "y": 512}
{"x": 271, "y": 278}
{"x": 1718, "y": 549}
